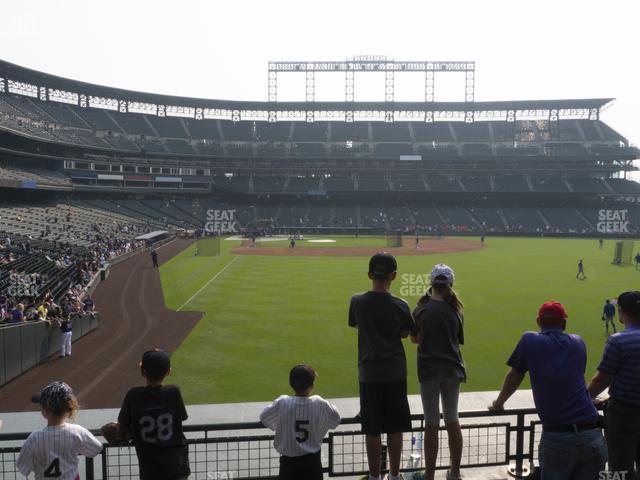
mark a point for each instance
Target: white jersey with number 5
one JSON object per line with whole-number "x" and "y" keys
{"x": 52, "y": 453}
{"x": 300, "y": 423}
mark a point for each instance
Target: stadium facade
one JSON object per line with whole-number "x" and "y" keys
{"x": 549, "y": 167}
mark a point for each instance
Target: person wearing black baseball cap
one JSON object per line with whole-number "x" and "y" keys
{"x": 300, "y": 423}
{"x": 152, "y": 416}
{"x": 619, "y": 371}
{"x": 382, "y": 320}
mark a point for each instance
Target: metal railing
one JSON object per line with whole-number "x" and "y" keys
{"x": 245, "y": 450}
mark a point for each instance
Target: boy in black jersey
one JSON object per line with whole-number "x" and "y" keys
{"x": 153, "y": 416}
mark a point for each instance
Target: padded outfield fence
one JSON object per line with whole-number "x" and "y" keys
{"x": 237, "y": 451}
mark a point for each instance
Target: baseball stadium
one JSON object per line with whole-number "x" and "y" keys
{"x": 263, "y": 217}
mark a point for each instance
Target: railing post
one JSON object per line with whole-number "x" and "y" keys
{"x": 88, "y": 466}
{"x": 519, "y": 470}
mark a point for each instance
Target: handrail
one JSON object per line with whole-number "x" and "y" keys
{"x": 220, "y": 427}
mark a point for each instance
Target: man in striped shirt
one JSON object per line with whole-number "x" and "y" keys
{"x": 619, "y": 371}
{"x": 300, "y": 423}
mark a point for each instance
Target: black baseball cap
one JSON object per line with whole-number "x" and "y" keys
{"x": 382, "y": 263}
{"x": 629, "y": 302}
{"x": 302, "y": 377}
{"x": 156, "y": 363}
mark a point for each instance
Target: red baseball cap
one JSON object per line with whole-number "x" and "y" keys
{"x": 552, "y": 309}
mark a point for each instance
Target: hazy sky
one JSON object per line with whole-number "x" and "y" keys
{"x": 220, "y": 49}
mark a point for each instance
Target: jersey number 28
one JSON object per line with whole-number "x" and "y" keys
{"x": 153, "y": 429}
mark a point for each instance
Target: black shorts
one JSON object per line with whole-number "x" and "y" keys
{"x": 307, "y": 466}
{"x": 384, "y": 408}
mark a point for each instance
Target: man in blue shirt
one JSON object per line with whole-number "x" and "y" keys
{"x": 619, "y": 371}
{"x": 581, "y": 275}
{"x": 608, "y": 314}
{"x": 572, "y": 446}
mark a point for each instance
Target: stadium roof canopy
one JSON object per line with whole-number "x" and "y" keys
{"x": 152, "y": 235}
{"x": 44, "y": 86}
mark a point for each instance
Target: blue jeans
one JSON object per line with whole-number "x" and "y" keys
{"x": 572, "y": 456}
{"x": 623, "y": 438}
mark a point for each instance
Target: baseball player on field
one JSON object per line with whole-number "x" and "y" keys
{"x": 53, "y": 451}
{"x": 608, "y": 316}
{"x": 66, "y": 329}
{"x": 300, "y": 422}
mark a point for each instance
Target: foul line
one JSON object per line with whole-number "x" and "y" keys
{"x": 206, "y": 284}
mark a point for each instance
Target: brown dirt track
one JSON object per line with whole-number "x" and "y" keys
{"x": 104, "y": 363}
{"x": 428, "y": 246}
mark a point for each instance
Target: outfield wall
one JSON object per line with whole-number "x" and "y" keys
{"x": 26, "y": 345}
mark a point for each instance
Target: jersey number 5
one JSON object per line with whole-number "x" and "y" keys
{"x": 53, "y": 470}
{"x": 304, "y": 433}
{"x": 161, "y": 426}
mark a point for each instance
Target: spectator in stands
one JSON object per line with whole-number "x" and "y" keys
{"x": 618, "y": 370}
{"x": 4, "y": 306}
{"x": 42, "y": 311}
{"x": 17, "y": 314}
{"x": 300, "y": 423}
{"x": 572, "y": 446}
{"x": 382, "y": 321}
{"x": 88, "y": 305}
{"x": 439, "y": 334}
{"x": 30, "y": 311}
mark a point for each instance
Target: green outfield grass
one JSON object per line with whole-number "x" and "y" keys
{"x": 265, "y": 314}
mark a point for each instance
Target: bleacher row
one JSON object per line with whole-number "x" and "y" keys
{"x": 361, "y": 183}
{"x": 399, "y": 183}
{"x": 144, "y": 214}
{"x": 134, "y": 132}
{"x": 38, "y": 175}
{"x": 56, "y": 279}
{"x": 68, "y": 223}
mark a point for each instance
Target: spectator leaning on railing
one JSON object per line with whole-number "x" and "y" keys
{"x": 17, "y": 314}
{"x": 572, "y": 446}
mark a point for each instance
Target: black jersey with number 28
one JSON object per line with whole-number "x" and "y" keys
{"x": 154, "y": 416}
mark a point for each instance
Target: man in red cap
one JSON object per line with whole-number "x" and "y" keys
{"x": 572, "y": 446}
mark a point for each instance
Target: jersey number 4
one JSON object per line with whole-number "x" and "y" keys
{"x": 304, "y": 433}
{"x": 153, "y": 429}
{"x": 53, "y": 470}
